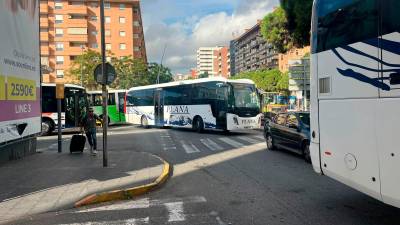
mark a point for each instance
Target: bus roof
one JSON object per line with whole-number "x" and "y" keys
{"x": 65, "y": 85}
{"x": 109, "y": 91}
{"x": 196, "y": 81}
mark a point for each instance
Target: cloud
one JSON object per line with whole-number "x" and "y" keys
{"x": 189, "y": 31}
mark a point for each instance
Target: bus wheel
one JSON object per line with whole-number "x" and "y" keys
{"x": 198, "y": 125}
{"x": 47, "y": 127}
{"x": 270, "y": 142}
{"x": 306, "y": 152}
{"x": 143, "y": 122}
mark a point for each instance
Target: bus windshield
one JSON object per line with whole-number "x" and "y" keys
{"x": 245, "y": 96}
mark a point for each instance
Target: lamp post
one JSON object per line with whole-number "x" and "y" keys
{"x": 159, "y": 68}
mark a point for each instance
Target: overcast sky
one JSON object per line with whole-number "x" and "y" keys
{"x": 185, "y": 25}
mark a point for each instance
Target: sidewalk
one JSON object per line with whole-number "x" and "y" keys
{"x": 51, "y": 181}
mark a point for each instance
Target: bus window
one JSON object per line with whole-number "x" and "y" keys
{"x": 97, "y": 100}
{"x": 111, "y": 99}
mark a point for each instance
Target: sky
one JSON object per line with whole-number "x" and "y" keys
{"x": 185, "y": 25}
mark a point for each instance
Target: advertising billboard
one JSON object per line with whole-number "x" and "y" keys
{"x": 20, "y": 114}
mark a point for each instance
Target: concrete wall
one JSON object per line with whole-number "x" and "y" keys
{"x": 17, "y": 150}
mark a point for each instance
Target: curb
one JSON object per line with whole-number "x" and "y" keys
{"x": 129, "y": 193}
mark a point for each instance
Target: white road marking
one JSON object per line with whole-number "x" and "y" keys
{"x": 175, "y": 210}
{"x": 259, "y": 138}
{"x": 211, "y": 144}
{"x": 189, "y": 148}
{"x": 231, "y": 142}
{"x": 116, "y": 222}
{"x": 169, "y": 148}
{"x": 248, "y": 139}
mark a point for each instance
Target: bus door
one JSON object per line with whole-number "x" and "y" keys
{"x": 75, "y": 105}
{"x": 158, "y": 107}
{"x": 121, "y": 102}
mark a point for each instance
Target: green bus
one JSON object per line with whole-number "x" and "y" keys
{"x": 115, "y": 109}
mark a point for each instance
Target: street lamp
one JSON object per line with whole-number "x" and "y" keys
{"x": 159, "y": 68}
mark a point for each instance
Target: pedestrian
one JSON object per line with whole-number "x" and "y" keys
{"x": 89, "y": 124}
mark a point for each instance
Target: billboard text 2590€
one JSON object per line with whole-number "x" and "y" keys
{"x": 19, "y": 69}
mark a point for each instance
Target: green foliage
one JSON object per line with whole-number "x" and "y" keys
{"x": 83, "y": 66}
{"x": 131, "y": 72}
{"x": 273, "y": 29}
{"x": 267, "y": 80}
{"x": 203, "y": 75}
{"x": 155, "y": 69}
{"x": 298, "y": 14}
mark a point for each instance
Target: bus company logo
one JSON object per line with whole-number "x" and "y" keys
{"x": 248, "y": 122}
{"x": 178, "y": 109}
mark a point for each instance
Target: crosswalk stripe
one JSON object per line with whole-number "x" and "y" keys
{"x": 211, "y": 144}
{"x": 189, "y": 148}
{"x": 231, "y": 142}
{"x": 133, "y": 221}
{"x": 250, "y": 140}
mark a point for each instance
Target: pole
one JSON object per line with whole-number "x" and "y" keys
{"x": 59, "y": 125}
{"x": 104, "y": 86}
{"x": 159, "y": 68}
{"x": 304, "y": 86}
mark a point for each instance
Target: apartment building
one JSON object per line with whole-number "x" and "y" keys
{"x": 69, "y": 27}
{"x": 252, "y": 52}
{"x": 215, "y": 61}
{"x": 292, "y": 54}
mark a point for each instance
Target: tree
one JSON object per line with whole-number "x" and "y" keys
{"x": 267, "y": 80}
{"x": 131, "y": 72}
{"x": 204, "y": 75}
{"x": 298, "y": 15}
{"x": 83, "y": 66}
{"x": 274, "y": 30}
{"x": 155, "y": 69}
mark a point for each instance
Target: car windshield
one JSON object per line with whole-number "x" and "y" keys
{"x": 246, "y": 96}
{"x": 305, "y": 118}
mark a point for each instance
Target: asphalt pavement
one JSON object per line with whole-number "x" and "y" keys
{"x": 221, "y": 179}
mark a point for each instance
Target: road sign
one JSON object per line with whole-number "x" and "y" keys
{"x": 109, "y": 73}
{"x": 59, "y": 91}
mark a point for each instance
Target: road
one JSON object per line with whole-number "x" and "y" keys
{"x": 222, "y": 179}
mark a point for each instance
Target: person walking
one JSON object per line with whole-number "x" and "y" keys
{"x": 89, "y": 124}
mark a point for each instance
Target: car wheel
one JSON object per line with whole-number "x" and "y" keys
{"x": 198, "y": 125}
{"x": 306, "y": 152}
{"x": 270, "y": 142}
{"x": 144, "y": 123}
{"x": 47, "y": 127}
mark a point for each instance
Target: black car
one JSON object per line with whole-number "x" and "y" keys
{"x": 291, "y": 131}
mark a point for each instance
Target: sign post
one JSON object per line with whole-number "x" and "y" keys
{"x": 59, "y": 97}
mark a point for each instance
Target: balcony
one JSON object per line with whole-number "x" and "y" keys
{"x": 77, "y": 37}
{"x": 77, "y": 9}
{"x": 44, "y": 36}
{"x": 77, "y": 23}
{"x": 74, "y": 50}
{"x": 44, "y": 50}
{"x": 44, "y": 9}
{"x": 44, "y": 22}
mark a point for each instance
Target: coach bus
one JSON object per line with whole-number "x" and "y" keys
{"x": 355, "y": 95}
{"x": 115, "y": 108}
{"x": 208, "y": 103}
{"x": 73, "y": 107}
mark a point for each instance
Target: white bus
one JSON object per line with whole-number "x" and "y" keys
{"x": 73, "y": 106}
{"x": 208, "y": 103}
{"x": 355, "y": 95}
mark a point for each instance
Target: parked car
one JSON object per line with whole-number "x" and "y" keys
{"x": 290, "y": 131}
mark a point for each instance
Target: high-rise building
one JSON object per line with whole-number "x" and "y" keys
{"x": 252, "y": 52}
{"x": 292, "y": 54}
{"x": 213, "y": 61}
{"x": 69, "y": 27}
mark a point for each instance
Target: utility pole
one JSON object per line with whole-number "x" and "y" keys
{"x": 104, "y": 85}
{"x": 159, "y": 68}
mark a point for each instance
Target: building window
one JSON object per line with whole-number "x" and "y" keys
{"x": 44, "y": 30}
{"x": 121, "y": 6}
{"x": 122, "y": 33}
{"x": 59, "y": 46}
{"x": 59, "y": 19}
{"x": 93, "y": 18}
{"x": 95, "y": 45}
{"x": 59, "y": 32}
{"x": 94, "y": 5}
{"x": 107, "y": 5}
{"x": 59, "y": 60}
{"x": 136, "y": 23}
{"x": 107, "y": 33}
{"x": 136, "y": 11}
{"x": 122, "y": 20}
{"x": 108, "y": 46}
{"x": 135, "y": 35}
{"x": 122, "y": 46}
{"x": 60, "y": 73}
{"x": 94, "y": 33}
{"x": 58, "y": 5}
{"x": 108, "y": 19}
{"x": 136, "y": 48}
